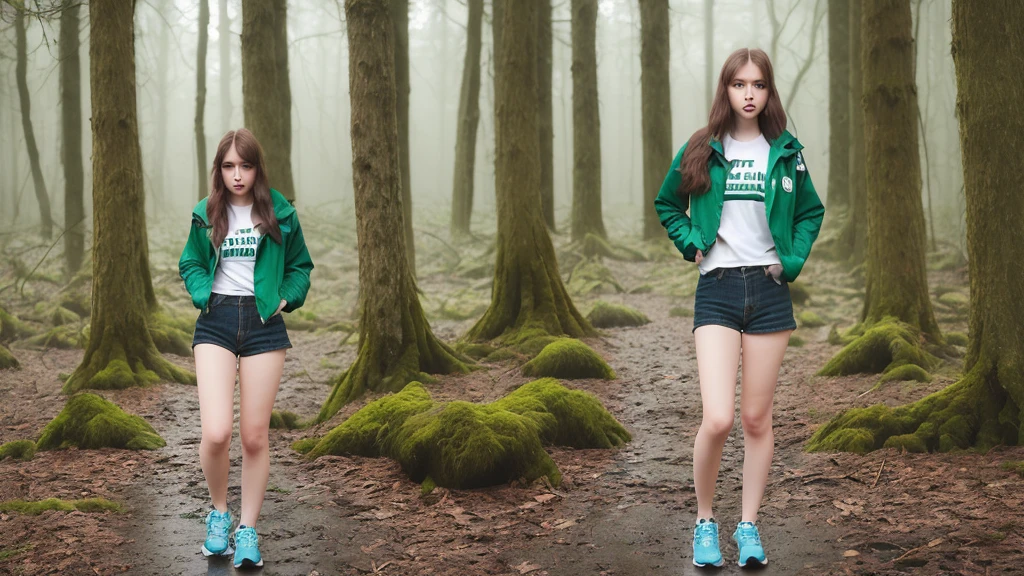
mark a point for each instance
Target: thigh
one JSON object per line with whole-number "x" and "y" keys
{"x": 215, "y": 379}
{"x": 762, "y": 358}
{"x": 718, "y": 357}
{"x": 259, "y": 377}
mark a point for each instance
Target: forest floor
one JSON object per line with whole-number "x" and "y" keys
{"x": 621, "y": 512}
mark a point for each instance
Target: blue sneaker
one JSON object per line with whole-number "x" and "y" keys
{"x": 247, "y": 547}
{"x": 705, "y": 544}
{"x": 218, "y": 524}
{"x": 749, "y": 542}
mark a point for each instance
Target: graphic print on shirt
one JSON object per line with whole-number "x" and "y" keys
{"x": 745, "y": 182}
{"x": 240, "y": 245}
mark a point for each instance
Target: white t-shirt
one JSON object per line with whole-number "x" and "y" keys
{"x": 234, "y": 274}
{"x": 743, "y": 236}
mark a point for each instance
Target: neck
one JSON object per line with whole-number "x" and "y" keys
{"x": 745, "y": 129}
{"x": 236, "y": 200}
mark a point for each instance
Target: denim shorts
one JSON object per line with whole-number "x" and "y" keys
{"x": 233, "y": 323}
{"x": 746, "y": 299}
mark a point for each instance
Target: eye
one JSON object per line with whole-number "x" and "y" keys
{"x": 226, "y": 165}
{"x": 247, "y": 166}
{"x": 737, "y": 84}
{"x": 761, "y": 85}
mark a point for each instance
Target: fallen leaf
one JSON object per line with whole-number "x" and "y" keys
{"x": 526, "y": 568}
{"x": 542, "y": 498}
{"x": 935, "y": 543}
{"x": 851, "y": 553}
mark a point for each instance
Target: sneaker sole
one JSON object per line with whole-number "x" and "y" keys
{"x": 715, "y": 564}
{"x": 250, "y": 564}
{"x": 753, "y": 563}
{"x": 226, "y": 551}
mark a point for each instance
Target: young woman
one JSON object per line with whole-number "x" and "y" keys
{"x": 245, "y": 262}
{"x": 753, "y": 216}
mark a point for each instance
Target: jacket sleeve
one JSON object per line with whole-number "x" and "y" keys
{"x": 807, "y": 215}
{"x": 672, "y": 212}
{"x": 192, "y": 267}
{"x": 297, "y": 266}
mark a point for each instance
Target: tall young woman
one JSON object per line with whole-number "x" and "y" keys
{"x": 753, "y": 216}
{"x": 245, "y": 262}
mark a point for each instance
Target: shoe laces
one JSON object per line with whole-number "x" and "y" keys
{"x": 218, "y": 523}
{"x": 246, "y": 537}
{"x": 705, "y": 533}
{"x": 747, "y": 534}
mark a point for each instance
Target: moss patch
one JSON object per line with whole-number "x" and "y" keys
{"x": 37, "y": 507}
{"x": 906, "y": 372}
{"x": 66, "y": 337}
{"x": 568, "y": 358}
{"x": 882, "y": 348}
{"x": 607, "y": 315}
{"x": 464, "y": 445}
{"x": 809, "y": 319}
{"x": 681, "y": 312}
{"x": 592, "y": 277}
{"x": 594, "y": 246}
{"x": 799, "y": 293}
{"x": 956, "y": 338}
{"x": 796, "y": 341}
{"x": 1014, "y": 466}
{"x": 11, "y": 328}
{"x": 90, "y": 421}
{"x": 285, "y": 420}
{"x": 7, "y": 360}
{"x": 18, "y": 449}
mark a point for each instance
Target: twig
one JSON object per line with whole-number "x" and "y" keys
{"x": 879, "y": 473}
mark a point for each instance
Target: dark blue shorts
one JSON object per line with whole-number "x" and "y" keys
{"x": 233, "y": 323}
{"x": 745, "y": 299}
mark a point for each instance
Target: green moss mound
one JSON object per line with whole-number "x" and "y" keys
{"x": 799, "y": 293}
{"x": 90, "y": 421}
{"x": 1014, "y": 466}
{"x": 78, "y": 301}
{"x": 882, "y": 348}
{"x": 11, "y": 328}
{"x": 473, "y": 350}
{"x": 285, "y": 420}
{"x": 171, "y": 333}
{"x": 464, "y": 445}
{"x": 809, "y": 319}
{"x": 66, "y": 337}
{"x": 681, "y": 312}
{"x": 37, "y": 507}
{"x": 796, "y": 341}
{"x": 7, "y": 360}
{"x": 568, "y": 358}
{"x": 957, "y": 301}
{"x": 529, "y": 340}
{"x": 956, "y": 338}
{"x": 60, "y": 316}
{"x": 906, "y": 372}
{"x": 304, "y": 445}
{"x": 607, "y": 315}
{"x": 18, "y": 449}
{"x": 592, "y": 277}
{"x": 502, "y": 355}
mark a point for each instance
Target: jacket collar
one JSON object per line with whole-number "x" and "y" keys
{"x": 282, "y": 208}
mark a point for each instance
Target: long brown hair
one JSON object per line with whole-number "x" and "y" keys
{"x": 262, "y": 206}
{"x": 772, "y": 120}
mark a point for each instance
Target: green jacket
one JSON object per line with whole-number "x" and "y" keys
{"x": 794, "y": 215}
{"x": 281, "y": 271}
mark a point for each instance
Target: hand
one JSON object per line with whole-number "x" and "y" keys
{"x": 700, "y": 256}
{"x": 776, "y": 271}
{"x": 280, "y": 307}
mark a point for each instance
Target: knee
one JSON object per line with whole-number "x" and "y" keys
{"x": 756, "y": 424}
{"x": 255, "y": 440}
{"x": 217, "y": 439}
{"x": 718, "y": 425}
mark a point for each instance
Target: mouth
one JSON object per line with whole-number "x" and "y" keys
{"x": 749, "y": 108}
{"x": 238, "y": 186}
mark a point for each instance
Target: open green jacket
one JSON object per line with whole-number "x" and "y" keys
{"x": 793, "y": 208}
{"x": 281, "y": 271}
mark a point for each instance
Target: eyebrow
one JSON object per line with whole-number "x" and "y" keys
{"x": 745, "y": 80}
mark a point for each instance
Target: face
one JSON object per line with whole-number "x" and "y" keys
{"x": 238, "y": 174}
{"x": 748, "y": 91}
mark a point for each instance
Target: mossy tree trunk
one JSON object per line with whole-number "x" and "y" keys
{"x": 400, "y": 20}
{"x": 656, "y": 106}
{"x": 224, "y": 31}
{"x": 25, "y": 100}
{"x": 709, "y": 52}
{"x": 838, "y": 105}
{"x": 162, "y": 73}
{"x": 469, "y": 119}
{"x": 396, "y": 345}
{"x": 545, "y": 45}
{"x": 71, "y": 142}
{"x": 528, "y": 294}
{"x": 983, "y": 409}
{"x": 200, "y": 129}
{"x": 266, "y": 92}
{"x": 586, "y": 123}
{"x": 120, "y": 352}
{"x": 853, "y": 238}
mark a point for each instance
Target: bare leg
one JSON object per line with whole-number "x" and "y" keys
{"x": 718, "y": 357}
{"x": 259, "y": 377}
{"x": 762, "y": 358}
{"x": 215, "y": 375}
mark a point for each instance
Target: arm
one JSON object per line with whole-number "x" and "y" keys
{"x": 672, "y": 211}
{"x": 807, "y": 216}
{"x": 297, "y": 266}
{"x": 192, "y": 267}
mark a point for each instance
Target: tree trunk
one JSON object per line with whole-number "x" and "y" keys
{"x": 200, "y": 131}
{"x": 400, "y": 19}
{"x": 984, "y": 408}
{"x": 162, "y": 92}
{"x": 527, "y": 297}
{"x": 469, "y": 118}
{"x": 656, "y": 106}
{"x": 838, "y": 105}
{"x": 396, "y": 345}
{"x": 121, "y": 352}
{"x": 586, "y": 123}
{"x": 42, "y": 197}
{"x": 546, "y": 126}
{"x": 266, "y": 93}
{"x": 71, "y": 147}
{"x": 709, "y": 53}
{"x": 853, "y": 238}
{"x": 224, "y": 31}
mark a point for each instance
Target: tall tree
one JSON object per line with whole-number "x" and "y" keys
{"x": 853, "y": 238}
{"x": 984, "y": 408}
{"x": 547, "y": 120}
{"x": 586, "y": 123}
{"x": 709, "y": 52}
{"x": 396, "y": 345}
{"x": 838, "y": 104}
{"x": 121, "y": 351}
{"x": 469, "y": 118}
{"x": 266, "y": 92}
{"x": 21, "y": 65}
{"x": 897, "y": 282}
{"x": 527, "y": 297}
{"x": 224, "y": 32}
{"x": 400, "y": 20}
{"x": 656, "y": 105}
{"x": 71, "y": 142}
{"x": 162, "y": 89}
{"x": 200, "y": 130}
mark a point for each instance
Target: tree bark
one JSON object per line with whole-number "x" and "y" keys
{"x": 853, "y": 238}
{"x": 224, "y": 31}
{"x": 200, "y": 131}
{"x": 121, "y": 352}
{"x": 400, "y": 19}
{"x": 469, "y": 118}
{"x": 547, "y": 131}
{"x": 586, "y": 123}
{"x": 71, "y": 147}
{"x": 396, "y": 345}
{"x": 528, "y": 296}
{"x": 42, "y": 197}
{"x": 838, "y": 104}
{"x": 656, "y": 106}
{"x": 266, "y": 93}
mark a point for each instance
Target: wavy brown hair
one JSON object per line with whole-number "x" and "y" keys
{"x": 772, "y": 120}
{"x": 263, "y": 205}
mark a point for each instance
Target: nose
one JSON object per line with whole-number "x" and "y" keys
{"x": 238, "y": 174}
{"x": 750, "y": 92}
